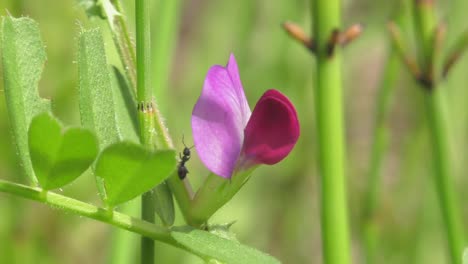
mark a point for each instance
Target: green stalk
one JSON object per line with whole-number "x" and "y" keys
{"x": 145, "y": 99}
{"x": 124, "y": 244}
{"x": 329, "y": 110}
{"x": 446, "y": 191}
{"x": 77, "y": 207}
{"x": 181, "y": 190}
{"x": 379, "y": 146}
{"x": 214, "y": 193}
{"x": 445, "y": 188}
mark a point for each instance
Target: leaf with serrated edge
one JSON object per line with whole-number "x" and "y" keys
{"x": 23, "y": 60}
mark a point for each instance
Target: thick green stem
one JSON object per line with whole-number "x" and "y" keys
{"x": 329, "y": 110}
{"x": 446, "y": 191}
{"x": 379, "y": 146}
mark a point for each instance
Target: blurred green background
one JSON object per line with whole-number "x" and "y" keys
{"x": 278, "y": 210}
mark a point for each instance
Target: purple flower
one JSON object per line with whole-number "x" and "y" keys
{"x": 228, "y": 137}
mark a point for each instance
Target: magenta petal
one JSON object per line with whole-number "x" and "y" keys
{"x": 272, "y": 131}
{"x": 219, "y": 118}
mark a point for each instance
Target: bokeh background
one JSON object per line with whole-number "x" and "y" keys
{"x": 278, "y": 210}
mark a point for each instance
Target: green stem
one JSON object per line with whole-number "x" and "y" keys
{"x": 214, "y": 193}
{"x": 73, "y": 206}
{"x": 116, "y": 21}
{"x": 145, "y": 99}
{"x": 445, "y": 188}
{"x": 182, "y": 190}
{"x": 329, "y": 110}
{"x": 124, "y": 245}
{"x": 379, "y": 146}
{"x": 446, "y": 191}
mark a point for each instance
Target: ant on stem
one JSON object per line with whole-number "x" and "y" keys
{"x": 182, "y": 171}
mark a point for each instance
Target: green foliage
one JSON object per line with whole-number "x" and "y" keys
{"x": 212, "y": 246}
{"x": 125, "y": 107}
{"x": 91, "y": 7}
{"x": 164, "y": 204}
{"x": 106, "y": 105}
{"x": 96, "y": 99}
{"x": 129, "y": 170}
{"x": 59, "y": 156}
{"x": 23, "y": 61}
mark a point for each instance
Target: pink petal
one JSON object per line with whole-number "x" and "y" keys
{"x": 219, "y": 118}
{"x": 272, "y": 131}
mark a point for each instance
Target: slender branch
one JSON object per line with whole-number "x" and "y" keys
{"x": 121, "y": 36}
{"x": 77, "y": 207}
{"x": 446, "y": 191}
{"x": 146, "y": 112}
{"x": 330, "y": 124}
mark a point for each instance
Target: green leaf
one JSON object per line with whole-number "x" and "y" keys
{"x": 164, "y": 204}
{"x": 59, "y": 156}
{"x": 91, "y": 7}
{"x": 23, "y": 60}
{"x": 129, "y": 170}
{"x": 203, "y": 243}
{"x": 125, "y": 107}
{"x": 96, "y": 98}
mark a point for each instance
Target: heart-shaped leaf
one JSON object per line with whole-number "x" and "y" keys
{"x": 129, "y": 170}
{"x": 59, "y": 156}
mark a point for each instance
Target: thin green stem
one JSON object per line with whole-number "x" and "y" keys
{"x": 214, "y": 193}
{"x": 145, "y": 99}
{"x": 116, "y": 21}
{"x": 182, "y": 190}
{"x": 445, "y": 188}
{"x": 379, "y": 146}
{"x": 143, "y": 50}
{"x": 73, "y": 206}
{"x": 446, "y": 191}
{"x": 329, "y": 111}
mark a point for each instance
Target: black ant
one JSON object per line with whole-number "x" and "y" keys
{"x": 182, "y": 171}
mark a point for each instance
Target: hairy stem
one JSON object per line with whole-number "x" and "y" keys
{"x": 121, "y": 36}
{"x": 329, "y": 111}
{"x": 73, "y": 206}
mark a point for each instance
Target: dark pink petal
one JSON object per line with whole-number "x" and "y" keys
{"x": 272, "y": 131}
{"x": 219, "y": 118}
